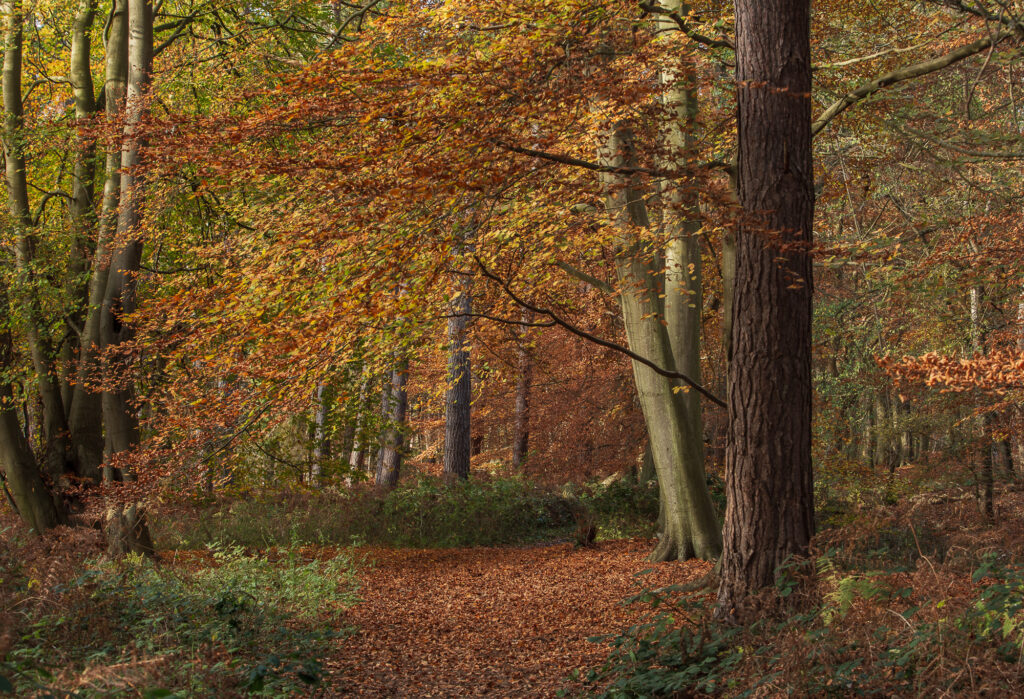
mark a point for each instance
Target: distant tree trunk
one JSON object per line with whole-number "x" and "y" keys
{"x": 524, "y": 383}
{"x": 978, "y": 332}
{"x": 391, "y": 459}
{"x": 321, "y": 444}
{"x": 86, "y": 413}
{"x": 356, "y": 457}
{"x": 769, "y": 482}
{"x": 126, "y": 524}
{"x": 1006, "y": 454}
{"x": 458, "y": 396}
{"x": 867, "y": 444}
{"x": 883, "y": 430}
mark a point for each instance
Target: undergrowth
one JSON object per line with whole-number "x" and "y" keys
{"x": 423, "y": 513}
{"x": 240, "y": 624}
{"x": 831, "y": 628}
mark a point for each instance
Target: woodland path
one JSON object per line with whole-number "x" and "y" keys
{"x": 495, "y": 622}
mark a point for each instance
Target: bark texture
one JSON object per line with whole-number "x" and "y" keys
{"x": 770, "y": 496}
{"x": 126, "y": 523}
{"x": 59, "y": 454}
{"x": 86, "y": 413}
{"x": 394, "y": 436}
{"x": 458, "y": 397}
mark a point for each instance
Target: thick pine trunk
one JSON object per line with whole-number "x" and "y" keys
{"x": 769, "y": 482}
{"x": 458, "y": 396}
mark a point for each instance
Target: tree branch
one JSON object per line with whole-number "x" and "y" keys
{"x": 498, "y": 319}
{"x": 584, "y": 277}
{"x": 42, "y": 204}
{"x": 685, "y": 28}
{"x": 897, "y": 76}
{"x": 612, "y": 169}
{"x": 597, "y": 340}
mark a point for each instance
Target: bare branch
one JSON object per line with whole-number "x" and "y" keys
{"x": 597, "y": 340}
{"x": 902, "y": 74}
{"x": 685, "y": 28}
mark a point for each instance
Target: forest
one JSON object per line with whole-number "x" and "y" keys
{"x": 442, "y": 348}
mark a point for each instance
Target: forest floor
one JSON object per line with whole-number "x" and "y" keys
{"x": 496, "y": 622}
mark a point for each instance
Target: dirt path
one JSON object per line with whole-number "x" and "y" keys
{"x": 509, "y": 622}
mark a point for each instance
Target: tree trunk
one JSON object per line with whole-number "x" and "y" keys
{"x": 524, "y": 383}
{"x": 321, "y": 443}
{"x": 978, "y": 333}
{"x": 690, "y": 527}
{"x": 1006, "y": 457}
{"x": 769, "y": 481}
{"x": 459, "y": 395}
{"x": 86, "y": 414}
{"x": 398, "y": 401}
{"x": 22, "y": 482}
{"x": 356, "y": 456}
{"x": 86, "y": 435}
{"x": 59, "y": 454}
{"x": 667, "y": 332}
{"x": 126, "y": 529}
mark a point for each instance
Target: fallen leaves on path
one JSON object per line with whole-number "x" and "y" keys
{"x": 496, "y": 622}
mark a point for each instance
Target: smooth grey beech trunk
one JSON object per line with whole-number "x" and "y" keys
{"x": 59, "y": 454}
{"x": 81, "y": 214}
{"x": 394, "y": 435}
{"x": 660, "y": 297}
{"x": 126, "y": 527}
{"x": 86, "y": 412}
{"x": 674, "y": 426}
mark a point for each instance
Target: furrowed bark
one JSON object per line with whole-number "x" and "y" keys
{"x": 457, "y": 439}
{"x": 769, "y": 482}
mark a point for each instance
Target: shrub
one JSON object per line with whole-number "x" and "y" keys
{"x": 245, "y": 624}
{"x": 833, "y": 633}
{"x": 423, "y": 513}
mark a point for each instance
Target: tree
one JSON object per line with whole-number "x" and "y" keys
{"x": 459, "y": 393}
{"x": 769, "y": 480}
{"x": 126, "y": 523}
